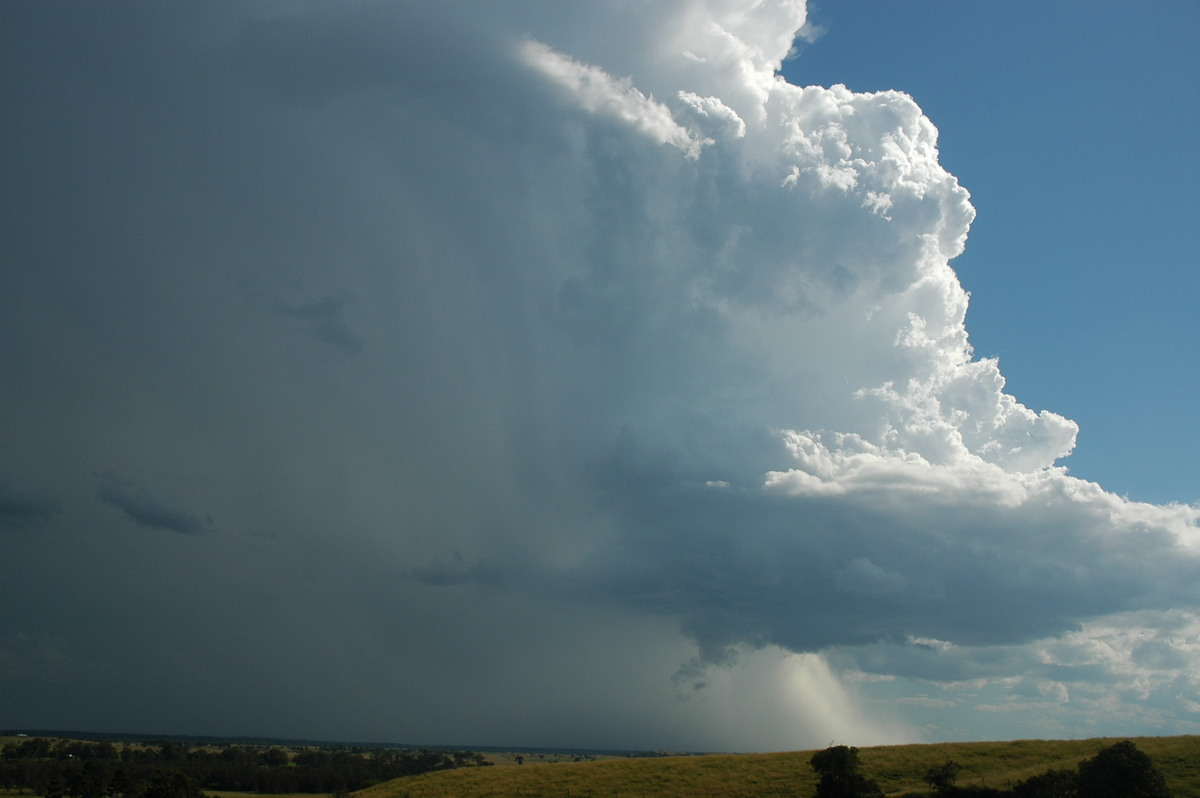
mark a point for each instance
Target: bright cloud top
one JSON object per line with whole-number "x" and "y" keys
{"x": 579, "y": 316}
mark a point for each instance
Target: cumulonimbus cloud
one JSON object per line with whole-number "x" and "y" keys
{"x": 642, "y": 334}
{"x": 932, "y": 507}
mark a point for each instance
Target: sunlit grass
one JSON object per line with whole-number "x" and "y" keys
{"x": 897, "y": 769}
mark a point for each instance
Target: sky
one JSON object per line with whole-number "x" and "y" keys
{"x": 1081, "y": 261}
{"x": 718, "y": 375}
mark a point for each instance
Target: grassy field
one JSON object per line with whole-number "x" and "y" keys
{"x": 897, "y": 769}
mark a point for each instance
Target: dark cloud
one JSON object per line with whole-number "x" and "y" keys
{"x": 148, "y": 510}
{"x": 22, "y": 507}
{"x": 439, "y": 573}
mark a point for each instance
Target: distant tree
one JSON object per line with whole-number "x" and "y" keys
{"x": 275, "y": 757}
{"x": 838, "y": 768}
{"x": 172, "y": 784}
{"x": 941, "y": 778}
{"x": 55, "y": 787}
{"x": 105, "y": 751}
{"x": 169, "y": 751}
{"x": 119, "y": 785}
{"x": 1121, "y": 770}
{"x": 32, "y": 748}
{"x": 90, "y": 781}
{"x": 1051, "y": 784}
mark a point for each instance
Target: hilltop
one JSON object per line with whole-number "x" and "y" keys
{"x": 898, "y": 769}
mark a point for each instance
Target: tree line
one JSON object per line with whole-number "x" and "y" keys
{"x": 1120, "y": 770}
{"x": 81, "y": 769}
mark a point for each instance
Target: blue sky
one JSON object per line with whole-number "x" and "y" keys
{"x": 555, "y": 374}
{"x": 1073, "y": 127}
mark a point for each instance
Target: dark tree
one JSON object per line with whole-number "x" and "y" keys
{"x": 55, "y": 787}
{"x": 170, "y": 752}
{"x": 91, "y": 780}
{"x": 838, "y": 768}
{"x": 1120, "y": 771}
{"x": 941, "y": 778}
{"x": 274, "y": 757}
{"x": 172, "y": 784}
{"x": 1051, "y": 784}
{"x": 119, "y": 785}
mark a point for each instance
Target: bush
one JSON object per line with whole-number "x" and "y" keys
{"x": 1120, "y": 771}
{"x": 840, "y": 778}
{"x": 1051, "y": 784}
{"x": 941, "y": 778}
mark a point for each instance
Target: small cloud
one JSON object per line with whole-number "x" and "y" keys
{"x": 809, "y": 33}
{"x": 326, "y": 320}
{"x": 148, "y": 510}
{"x": 693, "y": 675}
{"x": 865, "y": 578}
{"x": 439, "y": 573}
{"x": 927, "y": 701}
{"x": 866, "y": 678}
{"x": 1018, "y": 706}
{"x": 21, "y": 508}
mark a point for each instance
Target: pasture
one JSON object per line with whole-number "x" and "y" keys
{"x": 899, "y": 770}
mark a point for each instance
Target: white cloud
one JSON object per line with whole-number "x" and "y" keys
{"x": 597, "y": 92}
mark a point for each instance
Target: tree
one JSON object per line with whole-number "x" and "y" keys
{"x": 274, "y": 757}
{"x": 1120, "y": 771}
{"x": 55, "y": 788}
{"x": 119, "y": 785}
{"x": 91, "y": 781}
{"x": 172, "y": 784}
{"x": 1051, "y": 784}
{"x": 941, "y": 778}
{"x": 840, "y": 778}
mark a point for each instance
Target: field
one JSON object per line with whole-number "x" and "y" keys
{"x": 897, "y": 769}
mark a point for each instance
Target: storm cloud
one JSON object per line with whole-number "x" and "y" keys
{"x": 556, "y": 375}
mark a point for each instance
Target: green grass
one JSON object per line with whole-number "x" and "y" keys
{"x": 897, "y": 769}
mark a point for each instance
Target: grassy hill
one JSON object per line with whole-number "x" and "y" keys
{"x": 898, "y": 769}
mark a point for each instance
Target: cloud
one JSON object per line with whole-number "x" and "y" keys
{"x": 326, "y": 320}
{"x": 673, "y": 347}
{"x": 598, "y": 93}
{"x": 20, "y": 507}
{"x": 26, "y": 659}
{"x": 146, "y": 509}
{"x": 456, "y": 572}
{"x": 864, "y": 544}
{"x": 865, "y": 577}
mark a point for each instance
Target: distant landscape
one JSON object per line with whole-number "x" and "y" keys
{"x": 83, "y": 765}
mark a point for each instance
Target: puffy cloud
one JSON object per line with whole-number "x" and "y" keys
{"x": 660, "y": 366}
